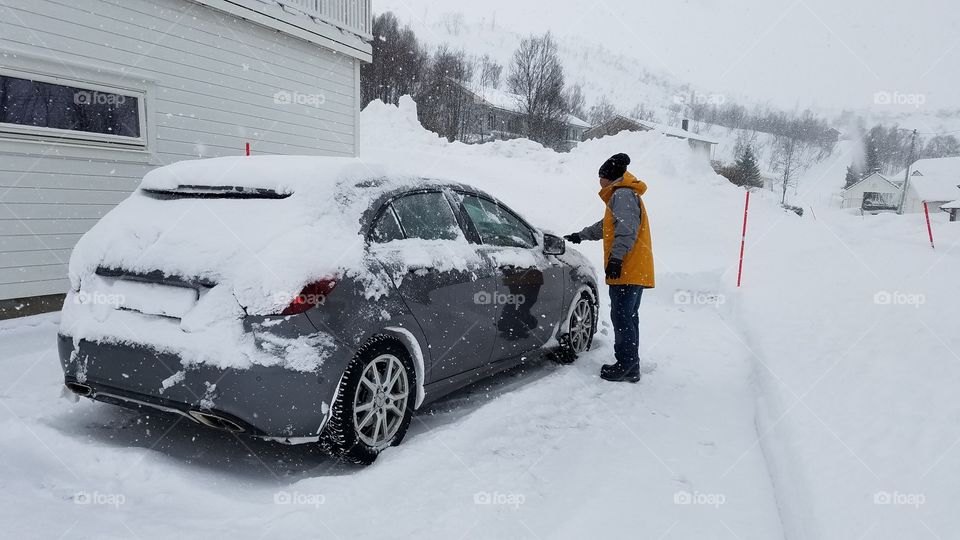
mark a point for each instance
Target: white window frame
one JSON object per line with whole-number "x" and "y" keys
{"x": 47, "y": 134}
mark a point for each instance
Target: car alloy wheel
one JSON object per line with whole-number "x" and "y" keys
{"x": 380, "y": 401}
{"x": 581, "y": 325}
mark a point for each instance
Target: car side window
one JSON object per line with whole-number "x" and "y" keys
{"x": 427, "y": 216}
{"x": 496, "y": 225}
{"x": 387, "y": 228}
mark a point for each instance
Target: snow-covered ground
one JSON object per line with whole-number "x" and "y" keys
{"x": 817, "y": 402}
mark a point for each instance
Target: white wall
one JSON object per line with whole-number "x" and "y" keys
{"x": 853, "y": 197}
{"x": 210, "y": 81}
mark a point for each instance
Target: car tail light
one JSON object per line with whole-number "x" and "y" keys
{"x": 312, "y": 295}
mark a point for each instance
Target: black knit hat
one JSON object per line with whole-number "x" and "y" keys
{"x": 615, "y": 167}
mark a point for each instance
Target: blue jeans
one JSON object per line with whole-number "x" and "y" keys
{"x": 624, "y": 307}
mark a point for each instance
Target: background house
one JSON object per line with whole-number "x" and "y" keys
{"x": 875, "y": 193}
{"x": 934, "y": 181}
{"x": 94, "y": 93}
{"x": 499, "y": 115}
{"x": 700, "y": 144}
{"x": 952, "y": 208}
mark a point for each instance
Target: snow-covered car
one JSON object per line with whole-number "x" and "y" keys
{"x": 307, "y": 299}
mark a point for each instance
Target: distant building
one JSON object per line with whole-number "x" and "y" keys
{"x": 499, "y": 116}
{"x": 932, "y": 181}
{"x": 874, "y": 193}
{"x": 935, "y": 182}
{"x": 952, "y": 208}
{"x": 700, "y": 144}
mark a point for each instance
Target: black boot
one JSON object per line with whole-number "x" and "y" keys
{"x": 624, "y": 373}
{"x": 608, "y": 369}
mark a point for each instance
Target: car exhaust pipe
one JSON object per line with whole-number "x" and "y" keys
{"x": 216, "y": 422}
{"x": 80, "y": 389}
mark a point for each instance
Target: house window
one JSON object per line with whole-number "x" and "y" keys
{"x": 48, "y": 107}
{"x": 491, "y": 119}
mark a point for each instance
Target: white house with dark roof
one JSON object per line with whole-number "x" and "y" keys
{"x": 94, "y": 93}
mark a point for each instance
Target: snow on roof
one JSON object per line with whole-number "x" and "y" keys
{"x": 576, "y": 121}
{"x": 951, "y": 205}
{"x": 673, "y": 131}
{"x": 949, "y": 166}
{"x": 665, "y": 129}
{"x": 935, "y": 188}
{"x": 893, "y": 184}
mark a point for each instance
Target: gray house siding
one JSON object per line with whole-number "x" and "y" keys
{"x": 209, "y": 83}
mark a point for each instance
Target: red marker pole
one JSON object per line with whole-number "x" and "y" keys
{"x": 926, "y": 211}
{"x": 743, "y": 239}
{"x": 248, "y": 149}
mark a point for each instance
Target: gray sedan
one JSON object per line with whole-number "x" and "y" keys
{"x": 439, "y": 327}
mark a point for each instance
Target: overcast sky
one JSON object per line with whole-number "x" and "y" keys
{"x": 826, "y": 53}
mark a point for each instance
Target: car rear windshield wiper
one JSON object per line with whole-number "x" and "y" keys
{"x": 215, "y": 192}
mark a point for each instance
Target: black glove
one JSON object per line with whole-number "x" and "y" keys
{"x": 575, "y": 238}
{"x": 614, "y": 268}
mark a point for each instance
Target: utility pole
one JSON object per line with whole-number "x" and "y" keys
{"x": 906, "y": 176}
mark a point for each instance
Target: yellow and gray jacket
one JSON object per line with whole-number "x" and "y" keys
{"x": 625, "y": 231}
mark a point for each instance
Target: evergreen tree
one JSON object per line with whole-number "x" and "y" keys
{"x": 748, "y": 172}
{"x": 853, "y": 176}
{"x": 872, "y": 162}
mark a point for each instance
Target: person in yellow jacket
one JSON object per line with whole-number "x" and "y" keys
{"x": 628, "y": 261}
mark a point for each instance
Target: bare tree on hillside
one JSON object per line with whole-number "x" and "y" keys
{"x": 793, "y": 154}
{"x": 398, "y": 62}
{"x": 640, "y": 112}
{"x": 601, "y": 111}
{"x": 489, "y": 72}
{"x": 576, "y": 102}
{"x": 444, "y": 106}
{"x": 536, "y": 75}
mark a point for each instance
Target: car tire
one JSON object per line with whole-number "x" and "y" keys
{"x": 582, "y": 325}
{"x": 374, "y": 403}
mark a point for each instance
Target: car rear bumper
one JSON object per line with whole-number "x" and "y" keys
{"x": 267, "y": 402}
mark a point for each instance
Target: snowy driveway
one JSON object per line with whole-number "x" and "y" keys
{"x": 541, "y": 452}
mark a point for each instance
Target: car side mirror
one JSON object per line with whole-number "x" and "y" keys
{"x": 554, "y": 245}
